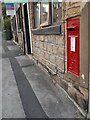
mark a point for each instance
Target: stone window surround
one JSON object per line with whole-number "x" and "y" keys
{"x": 51, "y": 30}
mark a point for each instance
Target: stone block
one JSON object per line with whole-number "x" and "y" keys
{"x": 49, "y": 38}
{"x": 41, "y": 45}
{"x": 60, "y": 51}
{"x": 59, "y": 40}
{"x": 49, "y": 48}
{"x": 52, "y": 39}
{"x": 56, "y": 78}
{"x": 52, "y": 58}
{"x": 74, "y": 11}
{"x": 47, "y": 55}
{"x": 41, "y": 54}
{"x": 84, "y": 92}
{"x": 44, "y": 61}
{"x": 45, "y": 38}
{"x": 33, "y": 37}
{"x": 63, "y": 84}
{"x": 81, "y": 102}
{"x": 35, "y": 55}
{"x": 51, "y": 66}
{"x": 42, "y": 38}
{"x": 38, "y": 38}
{"x": 72, "y": 93}
{"x": 60, "y": 62}
{"x": 39, "y": 51}
{"x": 45, "y": 46}
{"x": 37, "y": 44}
{"x": 54, "y": 49}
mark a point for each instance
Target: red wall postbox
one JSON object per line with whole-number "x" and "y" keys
{"x": 73, "y": 39}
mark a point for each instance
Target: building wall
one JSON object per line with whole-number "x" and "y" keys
{"x": 71, "y": 9}
{"x": 24, "y": 32}
{"x": 21, "y": 33}
{"x": 89, "y": 51}
{"x": 84, "y": 64}
{"x": 50, "y": 51}
{"x": 80, "y": 85}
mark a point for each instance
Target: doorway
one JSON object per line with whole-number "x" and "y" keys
{"x": 27, "y": 32}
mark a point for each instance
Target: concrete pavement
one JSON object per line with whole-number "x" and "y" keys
{"x": 28, "y": 91}
{"x": 0, "y": 75}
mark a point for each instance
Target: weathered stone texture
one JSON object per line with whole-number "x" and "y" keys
{"x": 71, "y": 9}
{"x": 51, "y": 52}
{"x": 20, "y": 39}
{"x": 51, "y": 49}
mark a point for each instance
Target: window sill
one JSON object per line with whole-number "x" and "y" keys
{"x": 51, "y": 30}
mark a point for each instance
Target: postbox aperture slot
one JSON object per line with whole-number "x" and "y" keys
{"x": 72, "y": 28}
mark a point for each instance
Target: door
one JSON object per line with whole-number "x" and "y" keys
{"x": 27, "y": 29}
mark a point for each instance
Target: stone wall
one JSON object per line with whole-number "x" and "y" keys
{"x": 78, "y": 87}
{"x": 51, "y": 52}
{"x": 71, "y": 9}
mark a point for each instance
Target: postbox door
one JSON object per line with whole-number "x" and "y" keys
{"x": 73, "y": 46}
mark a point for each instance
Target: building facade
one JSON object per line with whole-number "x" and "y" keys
{"x": 56, "y": 35}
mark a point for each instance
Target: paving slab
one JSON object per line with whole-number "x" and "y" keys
{"x": 1, "y": 50}
{"x": 11, "y": 102}
{"x": 52, "y": 98}
{"x": 0, "y": 89}
{"x": 29, "y": 91}
{"x": 30, "y": 103}
{"x": 13, "y": 47}
{"x": 24, "y": 61}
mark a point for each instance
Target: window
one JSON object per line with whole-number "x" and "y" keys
{"x": 44, "y": 13}
{"x": 47, "y": 13}
{"x": 37, "y": 14}
{"x": 57, "y": 12}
